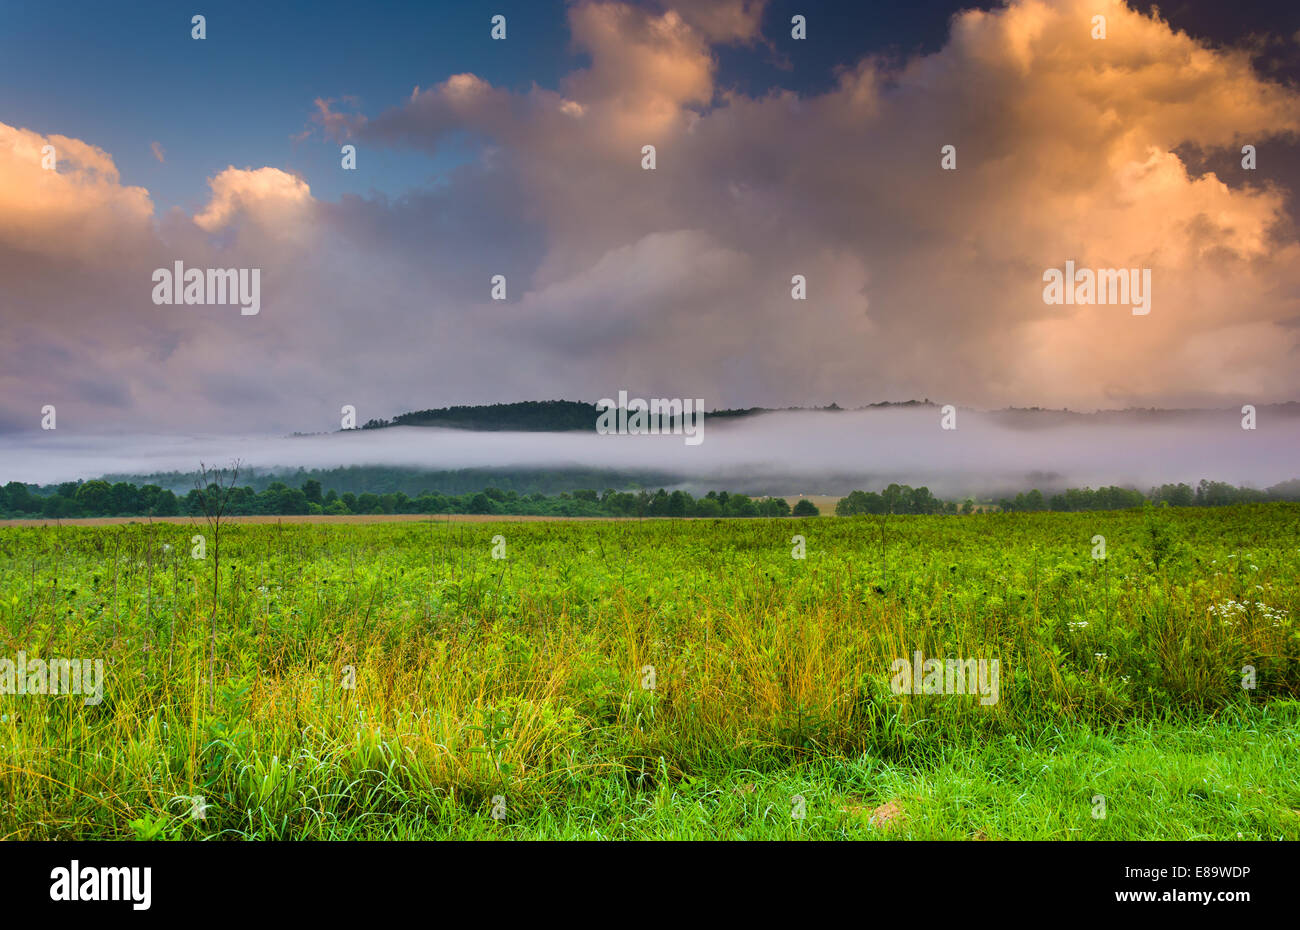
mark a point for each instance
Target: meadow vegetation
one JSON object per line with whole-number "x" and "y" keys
{"x": 660, "y": 678}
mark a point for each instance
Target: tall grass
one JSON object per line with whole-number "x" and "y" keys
{"x": 394, "y": 679}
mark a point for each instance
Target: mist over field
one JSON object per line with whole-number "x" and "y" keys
{"x": 796, "y": 452}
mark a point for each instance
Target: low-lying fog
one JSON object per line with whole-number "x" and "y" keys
{"x": 786, "y": 453}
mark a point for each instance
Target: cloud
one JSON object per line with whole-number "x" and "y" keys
{"x": 721, "y": 21}
{"x": 920, "y": 282}
{"x": 336, "y": 125}
{"x": 1066, "y": 151}
{"x": 76, "y": 211}
{"x": 274, "y": 198}
{"x": 158, "y": 152}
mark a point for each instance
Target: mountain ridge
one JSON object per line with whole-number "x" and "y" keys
{"x": 580, "y": 416}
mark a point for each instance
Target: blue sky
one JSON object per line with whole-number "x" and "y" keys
{"x": 133, "y": 76}
{"x": 126, "y": 76}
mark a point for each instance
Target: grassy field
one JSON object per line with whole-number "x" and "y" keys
{"x": 659, "y": 679}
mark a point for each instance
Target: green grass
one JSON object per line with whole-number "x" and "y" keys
{"x": 521, "y": 679}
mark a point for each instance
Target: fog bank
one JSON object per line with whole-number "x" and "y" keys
{"x": 787, "y": 452}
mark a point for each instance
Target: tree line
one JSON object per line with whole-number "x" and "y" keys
{"x": 99, "y": 498}
{"x": 1206, "y": 494}
{"x": 900, "y": 498}
{"x": 386, "y": 479}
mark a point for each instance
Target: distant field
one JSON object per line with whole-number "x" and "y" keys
{"x": 286, "y": 518}
{"x": 372, "y": 678}
{"x": 825, "y": 502}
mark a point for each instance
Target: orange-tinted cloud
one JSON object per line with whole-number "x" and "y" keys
{"x": 921, "y": 282}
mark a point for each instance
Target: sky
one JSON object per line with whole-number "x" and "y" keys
{"x": 523, "y": 158}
